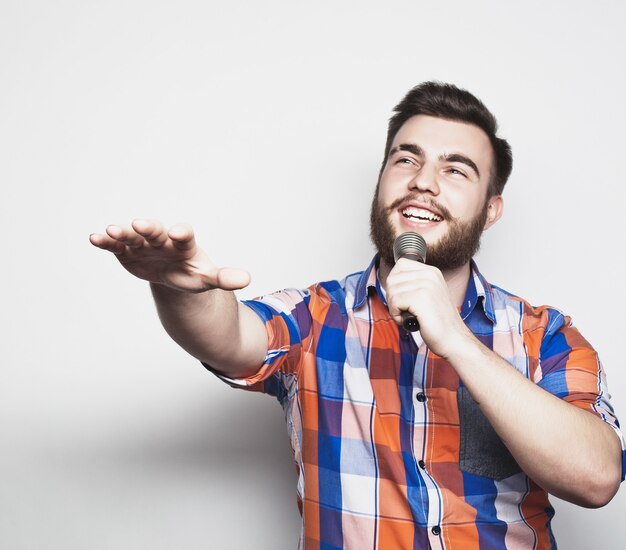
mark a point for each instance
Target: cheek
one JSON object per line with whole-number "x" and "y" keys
{"x": 464, "y": 205}
{"x": 388, "y": 189}
{"x": 382, "y": 195}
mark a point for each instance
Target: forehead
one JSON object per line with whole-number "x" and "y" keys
{"x": 439, "y": 136}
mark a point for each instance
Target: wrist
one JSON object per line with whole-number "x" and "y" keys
{"x": 165, "y": 290}
{"x": 174, "y": 297}
{"x": 461, "y": 346}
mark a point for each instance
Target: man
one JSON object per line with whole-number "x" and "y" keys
{"x": 446, "y": 438}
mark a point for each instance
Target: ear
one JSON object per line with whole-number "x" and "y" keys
{"x": 495, "y": 206}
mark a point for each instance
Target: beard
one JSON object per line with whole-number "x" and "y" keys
{"x": 453, "y": 250}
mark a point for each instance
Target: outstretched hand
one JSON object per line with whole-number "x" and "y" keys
{"x": 168, "y": 257}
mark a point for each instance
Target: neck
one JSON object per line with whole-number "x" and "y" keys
{"x": 456, "y": 280}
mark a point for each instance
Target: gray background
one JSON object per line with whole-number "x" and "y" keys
{"x": 262, "y": 124}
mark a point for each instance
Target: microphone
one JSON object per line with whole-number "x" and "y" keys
{"x": 410, "y": 245}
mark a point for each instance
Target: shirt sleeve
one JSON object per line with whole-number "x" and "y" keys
{"x": 287, "y": 321}
{"x": 571, "y": 369}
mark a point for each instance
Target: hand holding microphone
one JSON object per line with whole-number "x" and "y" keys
{"x": 412, "y": 246}
{"x": 423, "y": 289}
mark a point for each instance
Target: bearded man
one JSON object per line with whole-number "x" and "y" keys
{"x": 450, "y": 437}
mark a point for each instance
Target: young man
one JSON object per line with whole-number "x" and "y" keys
{"x": 450, "y": 437}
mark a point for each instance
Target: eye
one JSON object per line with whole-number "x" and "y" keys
{"x": 456, "y": 172}
{"x": 405, "y": 160}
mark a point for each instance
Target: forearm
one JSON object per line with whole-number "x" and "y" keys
{"x": 568, "y": 451}
{"x": 213, "y": 327}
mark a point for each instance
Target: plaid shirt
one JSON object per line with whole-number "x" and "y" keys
{"x": 391, "y": 450}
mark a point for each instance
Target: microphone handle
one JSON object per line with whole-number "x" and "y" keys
{"x": 409, "y": 322}
{"x": 412, "y": 246}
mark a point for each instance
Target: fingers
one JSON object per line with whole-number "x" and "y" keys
{"x": 411, "y": 286}
{"x": 401, "y": 301}
{"x": 142, "y": 231}
{"x": 182, "y": 236}
{"x": 408, "y": 270}
{"x": 151, "y": 230}
{"x": 125, "y": 235}
{"x": 107, "y": 243}
{"x": 149, "y": 251}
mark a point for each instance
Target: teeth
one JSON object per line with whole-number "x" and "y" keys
{"x": 420, "y": 214}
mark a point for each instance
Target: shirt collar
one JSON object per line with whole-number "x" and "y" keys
{"x": 478, "y": 290}
{"x": 368, "y": 280}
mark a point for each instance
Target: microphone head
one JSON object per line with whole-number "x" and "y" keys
{"x": 410, "y": 244}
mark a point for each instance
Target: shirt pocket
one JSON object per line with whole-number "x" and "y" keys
{"x": 481, "y": 451}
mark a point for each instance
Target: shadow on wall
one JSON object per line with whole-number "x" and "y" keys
{"x": 205, "y": 438}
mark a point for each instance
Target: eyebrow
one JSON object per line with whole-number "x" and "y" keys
{"x": 410, "y": 148}
{"x": 456, "y": 157}
{"x": 453, "y": 157}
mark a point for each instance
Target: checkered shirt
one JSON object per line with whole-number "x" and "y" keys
{"x": 391, "y": 450}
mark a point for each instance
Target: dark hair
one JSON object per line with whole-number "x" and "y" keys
{"x": 449, "y": 102}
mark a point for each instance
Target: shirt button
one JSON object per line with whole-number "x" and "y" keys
{"x": 421, "y": 397}
{"x": 422, "y": 464}
{"x": 436, "y": 530}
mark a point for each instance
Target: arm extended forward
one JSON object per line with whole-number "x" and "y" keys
{"x": 194, "y": 298}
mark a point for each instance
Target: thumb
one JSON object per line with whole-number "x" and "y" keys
{"x": 231, "y": 278}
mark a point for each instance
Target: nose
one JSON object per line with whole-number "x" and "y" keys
{"x": 425, "y": 180}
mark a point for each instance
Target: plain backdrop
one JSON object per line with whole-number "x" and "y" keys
{"x": 262, "y": 124}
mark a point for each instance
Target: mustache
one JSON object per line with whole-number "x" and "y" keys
{"x": 438, "y": 208}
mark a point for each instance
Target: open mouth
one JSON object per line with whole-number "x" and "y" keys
{"x": 420, "y": 214}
